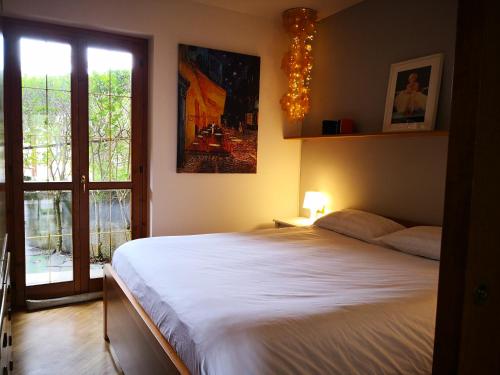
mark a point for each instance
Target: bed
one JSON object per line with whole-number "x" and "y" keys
{"x": 294, "y": 300}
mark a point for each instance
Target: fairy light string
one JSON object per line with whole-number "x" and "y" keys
{"x": 297, "y": 63}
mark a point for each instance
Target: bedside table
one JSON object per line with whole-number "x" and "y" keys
{"x": 299, "y": 221}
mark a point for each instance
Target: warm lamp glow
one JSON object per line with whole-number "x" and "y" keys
{"x": 314, "y": 201}
{"x": 300, "y": 24}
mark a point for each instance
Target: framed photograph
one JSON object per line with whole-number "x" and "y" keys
{"x": 218, "y": 108}
{"x": 413, "y": 93}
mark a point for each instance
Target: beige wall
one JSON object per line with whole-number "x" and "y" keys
{"x": 399, "y": 177}
{"x": 354, "y": 49}
{"x": 229, "y": 202}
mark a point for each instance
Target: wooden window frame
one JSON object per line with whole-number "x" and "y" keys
{"x": 78, "y": 38}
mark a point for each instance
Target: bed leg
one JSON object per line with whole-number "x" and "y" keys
{"x": 105, "y": 305}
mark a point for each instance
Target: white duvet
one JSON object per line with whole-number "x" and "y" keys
{"x": 287, "y": 301}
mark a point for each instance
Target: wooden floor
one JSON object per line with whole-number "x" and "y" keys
{"x": 64, "y": 340}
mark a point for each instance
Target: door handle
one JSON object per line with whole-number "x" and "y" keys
{"x": 481, "y": 294}
{"x": 83, "y": 181}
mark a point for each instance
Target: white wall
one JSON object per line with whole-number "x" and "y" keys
{"x": 197, "y": 203}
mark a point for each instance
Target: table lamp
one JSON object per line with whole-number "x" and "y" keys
{"x": 315, "y": 202}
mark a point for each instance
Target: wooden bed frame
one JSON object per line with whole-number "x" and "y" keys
{"x": 136, "y": 341}
{"x": 134, "y": 337}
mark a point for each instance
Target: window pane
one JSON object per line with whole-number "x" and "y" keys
{"x": 120, "y": 117}
{"x": 48, "y": 237}
{"x": 58, "y": 57}
{"x": 34, "y": 109}
{"x": 33, "y": 63}
{"x": 121, "y": 79}
{"x": 122, "y": 160}
{"x": 110, "y": 75}
{"x": 110, "y": 214}
{"x": 110, "y": 72}
{"x": 46, "y": 109}
{"x": 59, "y": 135}
{"x": 45, "y": 64}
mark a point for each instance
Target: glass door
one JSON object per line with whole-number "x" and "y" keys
{"x": 48, "y": 162}
{"x": 77, "y": 123}
{"x": 109, "y": 153}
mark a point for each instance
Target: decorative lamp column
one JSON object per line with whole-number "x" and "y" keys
{"x": 300, "y": 24}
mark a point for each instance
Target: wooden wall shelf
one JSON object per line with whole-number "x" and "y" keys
{"x": 435, "y": 133}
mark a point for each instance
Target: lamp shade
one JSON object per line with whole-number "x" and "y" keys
{"x": 314, "y": 201}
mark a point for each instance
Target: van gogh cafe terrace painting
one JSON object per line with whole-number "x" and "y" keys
{"x": 218, "y": 111}
{"x": 219, "y": 148}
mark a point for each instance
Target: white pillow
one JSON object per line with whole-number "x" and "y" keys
{"x": 358, "y": 224}
{"x": 423, "y": 241}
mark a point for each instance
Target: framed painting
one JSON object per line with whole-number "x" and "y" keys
{"x": 413, "y": 93}
{"x": 218, "y": 111}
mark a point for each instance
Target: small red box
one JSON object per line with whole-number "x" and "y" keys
{"x": 346, "y": 126}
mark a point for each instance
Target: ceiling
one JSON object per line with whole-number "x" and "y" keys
{"x": 273, "y": 8}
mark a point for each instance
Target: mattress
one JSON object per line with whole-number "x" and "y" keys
{"x": 283, "y": 301}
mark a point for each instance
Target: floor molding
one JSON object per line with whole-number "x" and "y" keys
{"x": 33, "y": 305}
